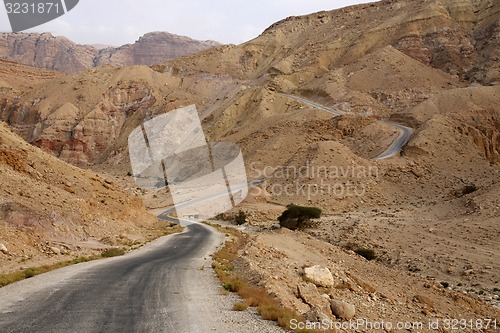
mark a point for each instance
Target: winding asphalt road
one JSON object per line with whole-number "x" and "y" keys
{"x": 394, "y": 149}
{"x": 155, "y": 289}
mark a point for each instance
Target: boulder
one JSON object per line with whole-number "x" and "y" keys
{"x": 316, "y": 315}
{"x": 310, "y": 295}
{"x": 342, "y": 309}
{"x": 55, "y": 250}
{"x": 319, "y": 275}
{"x": 3, "y": 249}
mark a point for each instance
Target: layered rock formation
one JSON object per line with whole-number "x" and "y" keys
{"x": 46, "y": 51}
{"x": 152, "y": 48}
{"x": 51, "y": 211}
{"x": 59, "y": 53}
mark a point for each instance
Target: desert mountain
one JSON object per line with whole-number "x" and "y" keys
{"x": 366, "y": 61}
{"x": 59, "y": 53}
{"x": 430, "y": 65}
{"x": 50, "y": 210}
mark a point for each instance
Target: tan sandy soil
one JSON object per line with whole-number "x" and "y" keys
{"x": 275, "y": 260}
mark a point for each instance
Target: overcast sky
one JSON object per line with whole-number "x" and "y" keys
{"x": 117, "y": 22}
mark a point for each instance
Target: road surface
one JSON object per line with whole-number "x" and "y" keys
{"x": 397, "y": 145}
{"x": 159, "y": 288}
{"x": 404, "y": 136}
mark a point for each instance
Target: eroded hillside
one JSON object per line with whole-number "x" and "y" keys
{"x": 51, "y": 211}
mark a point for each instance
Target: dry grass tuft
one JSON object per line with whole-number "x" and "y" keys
{"x": 267, "y": 306}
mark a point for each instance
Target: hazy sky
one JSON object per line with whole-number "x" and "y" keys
{"x": 117, "y": 22}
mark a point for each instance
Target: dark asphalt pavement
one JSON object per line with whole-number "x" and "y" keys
{"x": 138, "y": 293}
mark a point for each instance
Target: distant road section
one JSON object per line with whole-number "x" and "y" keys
{"x": 315, "y": 105}
{"x": 401, "y": 141}
{"x": 394, "y": 149}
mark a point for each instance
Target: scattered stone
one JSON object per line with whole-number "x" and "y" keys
{"x": 424, "y": 300}
{"x": 363, "y": 284}
{"x": 319, "y": 275}
{"x": 3, "y": 249}
{"x": 342, "y": 310}
{"x": 310, "y": 295}
{"x": 55, "y": 250}
{"x": 316, "y": 315}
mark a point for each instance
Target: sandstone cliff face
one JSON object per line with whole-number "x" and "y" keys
{"x": 46, "y": 51}
{"x": 47, "y": 203}
{"x": 152, "y": 48}
{"x": 85, "y": 118}
{"x": 59, "y": 53}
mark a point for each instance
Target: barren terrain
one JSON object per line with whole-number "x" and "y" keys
{"x": 431, "y": 213}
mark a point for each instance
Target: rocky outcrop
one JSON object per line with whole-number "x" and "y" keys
{"x": 459, "y": 37}
{"x": 3, "y": 249}
{"x": 46, "y": 51}
{"x": 59, "y": 53}
{"x": 319, "y": 275}
{"x": 152, "y": 48}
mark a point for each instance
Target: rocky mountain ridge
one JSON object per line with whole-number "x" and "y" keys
{"x": 59, "y": 53}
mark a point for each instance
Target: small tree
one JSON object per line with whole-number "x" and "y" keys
{"x": 298, "y": 217}
{"x": 241, "y": 218}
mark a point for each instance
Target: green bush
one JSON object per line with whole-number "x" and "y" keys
{"x": 113, "y": 252}
{"x": 30, "y": 272}
{"x": 298, "y": 217}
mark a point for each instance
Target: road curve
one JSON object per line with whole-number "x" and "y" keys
{"x": 397, "y": 145}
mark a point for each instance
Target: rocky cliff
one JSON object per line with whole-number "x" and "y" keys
{"x": 59, "y": 53}
{"x": 46, "y": 51}
{"x": 152, "y": 48}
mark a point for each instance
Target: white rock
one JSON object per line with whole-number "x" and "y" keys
{"x": 342, "y": 310}
{"x": 319, "y": 275}
{"x": 55, "y": 250}
{"x": 3, "y": 249}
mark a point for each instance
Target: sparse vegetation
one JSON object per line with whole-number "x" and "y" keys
{"x": 368, "y": 254}
{"x": 298, "y": 217}
{"x": 240, "y": 306}
{"x": 467, "y": 189}
{"x": 6, "y": 279}
{"x": 112, "y": 252}
{"x": 267, "y": 306}
{"x": 241, "y": 218}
